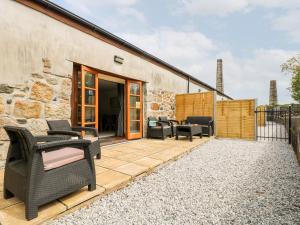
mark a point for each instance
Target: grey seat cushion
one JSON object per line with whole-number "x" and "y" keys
{"x": 61, "y": 157}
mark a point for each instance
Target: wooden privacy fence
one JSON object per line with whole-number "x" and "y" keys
{"x": 236, "y": 119}
{"x": 196, "y": 104}
{"x": 261, "y": 115}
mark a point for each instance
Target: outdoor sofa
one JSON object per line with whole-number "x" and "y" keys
{"x": 62, "y": 127}
{"x": 158, "y": 129}
{"x": 206, "y": 122}
{"x": 38, "y": 172}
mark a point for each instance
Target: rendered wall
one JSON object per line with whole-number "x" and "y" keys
{"x": 37, "y": 56}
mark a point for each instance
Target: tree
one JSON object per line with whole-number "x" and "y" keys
{"x": 292, "y": 66}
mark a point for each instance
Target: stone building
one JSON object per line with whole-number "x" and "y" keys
{"x": 219, "y": 77}
{"x": 56, "y": 65}
{"x": 273, "y": 93}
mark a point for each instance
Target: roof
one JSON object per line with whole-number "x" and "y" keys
{"x": 60, "y": 10}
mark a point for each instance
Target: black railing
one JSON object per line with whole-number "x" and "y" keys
{"x": 273, "y": 124}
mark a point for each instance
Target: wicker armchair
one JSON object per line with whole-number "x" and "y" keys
{"x": 62, "y": 127}
{"x": 38, "y": 173}
{"x": 172, "y": 123}
{"x": 158, "y": 129}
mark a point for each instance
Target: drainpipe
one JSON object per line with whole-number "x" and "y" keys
{"x": 188, "y": 85}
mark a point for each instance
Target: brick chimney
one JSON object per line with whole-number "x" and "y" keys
{"x": 219, "y": 79}
{"x": 273, "y": 93}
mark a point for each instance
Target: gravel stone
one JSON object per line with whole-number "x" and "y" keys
{"x": 222, "y": 182}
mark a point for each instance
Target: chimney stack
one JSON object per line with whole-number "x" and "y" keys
{"x": 219, "y": 80}
{"x": 273, "y": 93}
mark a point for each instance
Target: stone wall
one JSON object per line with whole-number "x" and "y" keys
{"x": 161, "y": 103}
{"x": 157, "y": 103}
{"x": 44, "y": 96}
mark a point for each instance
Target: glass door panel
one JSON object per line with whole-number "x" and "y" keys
{"x": 134, "y": 114}
{"x": 90, "y": 97}
{"x": 88, "y": 93}
{"x": 134, "y": 110}
{"x": 90, "y": 114}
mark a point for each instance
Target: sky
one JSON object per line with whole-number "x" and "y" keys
{"x": 253, "y": 37}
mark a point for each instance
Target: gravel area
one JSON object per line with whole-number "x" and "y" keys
{"x": 222, "y": 182}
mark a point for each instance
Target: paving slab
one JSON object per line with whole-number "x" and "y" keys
{"x": 15, "y": 215}
{"x": 146, "y": 152}
{"x": 7, "y": 202}
{"x": 151, "y": 151}
{"x": 151, "y": 147}
{"x": 100, "y": 169}
{"x": 129, "y": 157}
{"x": 132, "y": 169}
{"x": 111, "y": 153}
{"x": 164, "y": 155}
{"x": 80, "y": 196}
{"x": 148, "y": 162}
{"x": 110, "y": 163}
{"x": 123, "y": 148}
{"x": 112, "y": 179}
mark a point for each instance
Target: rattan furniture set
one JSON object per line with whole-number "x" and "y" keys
{"x": 192, "y": 126}
{"x": 41, "y": 169}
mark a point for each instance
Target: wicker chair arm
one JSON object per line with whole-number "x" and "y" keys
{"x": 92, "y": 129}
{"x": 50, "y": 146}
{"x": 64, "y": 132}
{"x": 49, "y": 138}
{"x": 163, "y": 123}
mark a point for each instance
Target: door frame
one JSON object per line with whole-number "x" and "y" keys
{"x": 139, "y": 135}
{"x": 99, "y": 76}
{"x": 83, "y": 88}
{"x": 115, "y": 79}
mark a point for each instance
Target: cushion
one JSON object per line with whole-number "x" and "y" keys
{"x": 61, "y": 157}
{"x": 152, "y": 123}
{"x": 92, "y": 139}
{"x": 159, "y": 127}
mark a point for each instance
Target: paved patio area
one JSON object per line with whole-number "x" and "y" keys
{"x": 120, "y": 165}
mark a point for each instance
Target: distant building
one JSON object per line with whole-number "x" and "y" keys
{"x": 219, "y": 76}
{"x": 273, "y": 93}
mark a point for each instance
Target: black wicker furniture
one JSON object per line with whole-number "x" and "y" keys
{"x": 172, "y": 123}
{"x": 38, "y": 173}
{"x": 62, "y": 127}
{"x": 189, "y": 131}
{"x": 158, "y": 129}
{"x": 206, "y": 122}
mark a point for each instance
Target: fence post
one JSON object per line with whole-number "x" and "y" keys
{"x": 290, "y": 125}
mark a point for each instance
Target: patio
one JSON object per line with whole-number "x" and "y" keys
{"x": 120, "y": 164}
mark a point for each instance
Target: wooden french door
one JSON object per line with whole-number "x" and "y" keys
{"x": 87, "y": 111}
{"x": 134, "y": 92}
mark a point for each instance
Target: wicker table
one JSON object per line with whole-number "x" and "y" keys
{"x": 189, "y": 130}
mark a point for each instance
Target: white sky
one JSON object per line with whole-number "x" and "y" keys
{"x": 253, "y": 37}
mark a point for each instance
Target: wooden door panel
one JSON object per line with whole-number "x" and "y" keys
{"x": 134, "y": 92}
{"x": 89, "y": 97}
